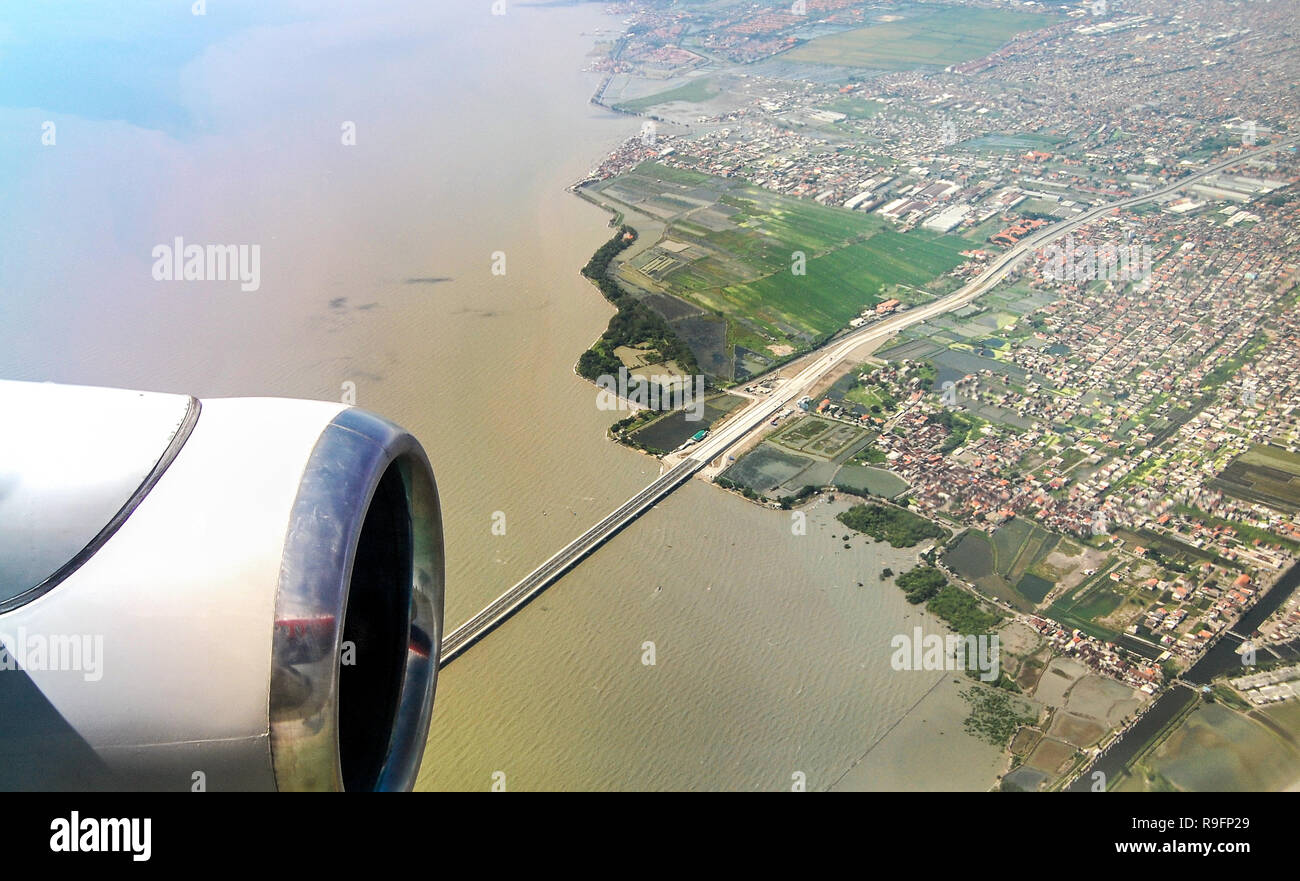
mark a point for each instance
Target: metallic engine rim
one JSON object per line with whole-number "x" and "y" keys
{"x": 353, "y": 454}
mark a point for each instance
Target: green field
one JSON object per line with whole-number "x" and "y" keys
{"x": 1083, "y": 606}
{"x": 694, "y": 92}
{"x": 774, "y": 275}
{"x": 838, "y": 285}
{"x": 1264, "y": 474}
{"x": 925, "y": 37}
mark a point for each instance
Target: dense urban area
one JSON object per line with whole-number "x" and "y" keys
{"x": 1104, "y": 449}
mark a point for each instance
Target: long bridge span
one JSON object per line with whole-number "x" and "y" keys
{"x": 755, "y": 414}
{"x": 544, "y": 575}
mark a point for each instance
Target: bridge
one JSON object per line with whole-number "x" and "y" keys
{"x": 756, "y": 414}
{"x": 544, "y": 575}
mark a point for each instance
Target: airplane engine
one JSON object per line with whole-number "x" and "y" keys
{"x": 227, "y": 594}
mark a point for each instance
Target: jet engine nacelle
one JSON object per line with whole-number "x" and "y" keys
{"x": 233, "y": 594}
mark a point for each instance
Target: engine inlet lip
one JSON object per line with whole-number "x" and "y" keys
{"x": 350, "y": 458}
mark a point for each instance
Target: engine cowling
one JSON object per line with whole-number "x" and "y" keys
{"x": 237, "y": 593}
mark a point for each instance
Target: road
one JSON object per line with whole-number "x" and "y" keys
{"x": 755, "y": 416}
{"x": 540, "y": 578}
{"x": 789, "y": 390}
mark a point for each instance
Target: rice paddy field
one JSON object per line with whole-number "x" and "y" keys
{"x": 780, "y": 274}
{"x": 838, "y": 284}
{"x": 1265, "y": 474}
{"x": 925, "y": 37}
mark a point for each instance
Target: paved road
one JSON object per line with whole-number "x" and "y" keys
{"x": 792, "y": 389}
{"x": 753, "y": 417}
{"x": 539, "y": 579}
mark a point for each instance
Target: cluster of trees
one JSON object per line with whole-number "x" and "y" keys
{"x": 788, "y": 502}
{"x": 921, "y": 584}
{"x": 634, "y": 324}
{"x": 902, "y": 529}
{"x": 958, "y": 427}
{"x": 963, "y": 612}
{"x": 726, "y": 483}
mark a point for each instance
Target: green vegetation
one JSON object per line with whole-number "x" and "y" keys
{"x": 1093, "y": 600}
{"x": 855, "y": 108}
{"x": 634, "y": 324}
{"x": 1263, "y": 474}
{"x": 694, "y": 91}
{"x": 870, "y": 454}
{"x": 837, "y": 285}
{"x": 921, "y": 583}
{"x": 731, "y": 484}
{"x": 948, "y": 35}
{"x": 902, "y": 529}
{"x": 1226, "y": 696}
{"x": 783, "y": 273}
{"x": 959, "y": 425}
{"x": 1219, "y": 375}
{"x": 788, "y": 502}
{"x": 963, "y": 612}
{"x": 995, "y": 715}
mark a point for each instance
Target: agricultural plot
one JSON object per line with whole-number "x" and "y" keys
{"x": 1051, "y": 757}
{"x": 693, "y": 92}
{"x": 1219, "y": 750}
{"x": 765, "y": 467}
{"x": 1087, "y": 605}
{"x": 1264, "y": 474}
{"x": 727, "y": 255}
{"x": 838, "y": 285}
{"x": 1165, "y": 545}
{"x": 926, "y": 37}
{"x": 1000, "y": 564}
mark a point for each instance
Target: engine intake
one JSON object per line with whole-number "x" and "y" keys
{"x": 265, "y": 577}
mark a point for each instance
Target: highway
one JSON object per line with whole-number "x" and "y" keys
{"x": 540, "y": 578}
{"x": 753, "y": 417}
{"x": 798, "y": 385}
